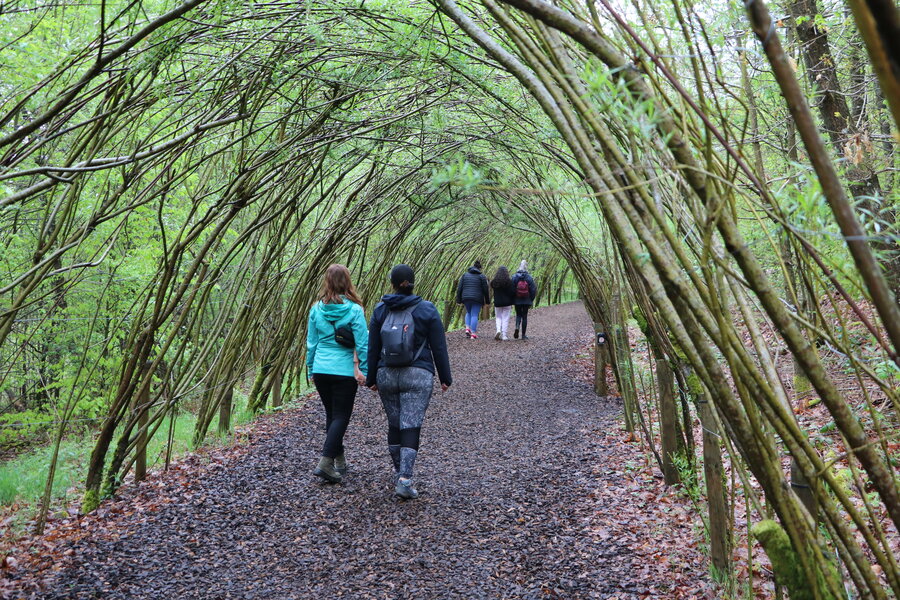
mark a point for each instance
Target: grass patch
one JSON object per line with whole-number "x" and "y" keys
{"x": 22, "y": 479}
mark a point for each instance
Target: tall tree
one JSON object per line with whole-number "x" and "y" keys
{"x": 847, "y": 130}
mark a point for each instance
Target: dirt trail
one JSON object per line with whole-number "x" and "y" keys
{"x": 512, "y": 481}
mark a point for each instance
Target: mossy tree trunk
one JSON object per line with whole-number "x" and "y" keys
{"x": 225, "y": 411}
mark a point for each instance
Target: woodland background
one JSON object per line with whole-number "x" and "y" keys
{"x": 720, "y": 176}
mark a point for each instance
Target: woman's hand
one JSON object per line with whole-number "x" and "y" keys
{"x": 374, "y": 387}
{"x": 444, "y": 387}
{"x": 360, "y": 378}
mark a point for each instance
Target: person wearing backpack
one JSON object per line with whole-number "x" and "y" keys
{"x": 525, "y": 291}
{"x": 472, "y": 292}
{"x": 504, "y": 297}
{"x": 407, "y": 343}
{"x": 336, "y": 339}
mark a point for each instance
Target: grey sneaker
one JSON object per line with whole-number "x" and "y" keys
{"x": 326, "y": 470}
{"x": 405, "y": 490}
{"x": 497, "y": 337}
{"x": 340, "y": 464}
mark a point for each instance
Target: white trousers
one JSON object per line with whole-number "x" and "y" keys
{"x": 501, "y": 314}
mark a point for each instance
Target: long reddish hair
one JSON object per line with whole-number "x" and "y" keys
{"x": 337, "y": 283}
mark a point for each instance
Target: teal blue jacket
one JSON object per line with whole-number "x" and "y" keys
{"x": 323, "y": 354}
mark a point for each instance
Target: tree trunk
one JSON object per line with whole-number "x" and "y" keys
{"x": 141, "y": 406}
{"x": 225, "y": 411}
{"x": 753, "y": 118}
{"x": 448, "y": 314}
{"x": 668, "y": 420}
{"x": 621, "y": 358}
{"x": 719, "y": 523}
{"x": 276, "y": 388}
{"x": 94, "y": 477}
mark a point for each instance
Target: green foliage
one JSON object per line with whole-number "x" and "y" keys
{"x": 688, "y": 477}
{"x": 887, "y": 369}
{"x": 640, "y": 320}
{"x": 460, "y": 174}
{"x": 22, "y": 427}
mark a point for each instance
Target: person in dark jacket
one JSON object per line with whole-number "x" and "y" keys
{"x": 406, "y": 391}
{"x": 504, "y": 297}
{"x": 524, "y": 298}
{"x": 473, "y": 293}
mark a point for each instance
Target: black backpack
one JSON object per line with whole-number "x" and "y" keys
{"x": 398, "y": 334}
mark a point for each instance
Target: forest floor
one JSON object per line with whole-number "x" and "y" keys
{"x": 528, "y": 490}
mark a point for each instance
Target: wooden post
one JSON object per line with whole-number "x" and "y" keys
{"x": 276, "y": 388}
{"x": 668, "y": 416}
{"x": 719, "y": 523}
{"x": 601, "y": 360}
{"x": 225, "y": 411}
{"x": 141, "y": 405}
{"x": 801, "y": 488}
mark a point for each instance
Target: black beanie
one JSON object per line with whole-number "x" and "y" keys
{"x": 402, "y": 274}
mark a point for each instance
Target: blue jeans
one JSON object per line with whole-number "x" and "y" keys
{"x": 472, "y": 310}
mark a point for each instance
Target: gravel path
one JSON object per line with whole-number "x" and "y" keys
{"x": 508, "y": 475}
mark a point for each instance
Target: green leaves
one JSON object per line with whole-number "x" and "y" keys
{"x": 459, "y": 174}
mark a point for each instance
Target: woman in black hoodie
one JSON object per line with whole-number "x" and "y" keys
{"x": 504, "y": 298}
{"x": 405, "y": 388}
{"x": 473, "y": 293}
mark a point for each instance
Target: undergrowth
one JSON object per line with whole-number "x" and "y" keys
{"x": 22, "y": 479}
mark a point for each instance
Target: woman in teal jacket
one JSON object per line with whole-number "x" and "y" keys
{"x": 336, "y": 368}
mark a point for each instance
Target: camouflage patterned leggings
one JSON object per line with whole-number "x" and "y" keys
{"x": 405, "y": 394}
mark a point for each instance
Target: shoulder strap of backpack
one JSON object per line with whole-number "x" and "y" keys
{"x": 424, "y": 340}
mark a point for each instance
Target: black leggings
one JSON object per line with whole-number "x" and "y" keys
{"x": 522, "y": 317}
{"x": 337, "y": 393}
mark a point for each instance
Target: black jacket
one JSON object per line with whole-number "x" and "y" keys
{"x": 505, "y": 295}
{"x": 532, "y": 288}
{"x": 428, "y": 326}
{"x": 473, "y": 287}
